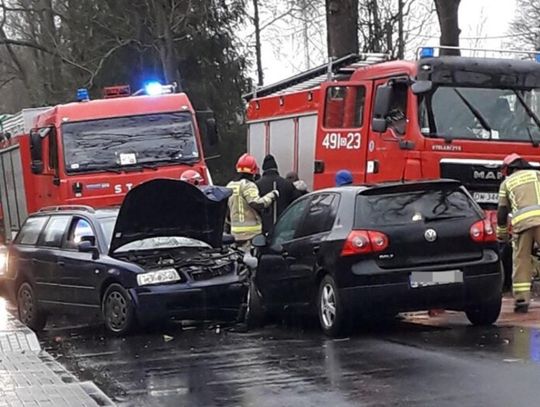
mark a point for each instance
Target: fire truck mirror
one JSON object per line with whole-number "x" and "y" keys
{"x": 211, "y": 132}
{"x": 420, "y": 87}
{"x": 36, "y": 152}
{"x": 381, "y": 108}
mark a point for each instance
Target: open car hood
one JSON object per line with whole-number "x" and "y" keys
{"x": 167, "y": 207}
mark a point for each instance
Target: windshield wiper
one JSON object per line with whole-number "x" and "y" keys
{"x": 441, "y": 217}
{"x": 475, "y": 112}
{"x": 531, "y": 114}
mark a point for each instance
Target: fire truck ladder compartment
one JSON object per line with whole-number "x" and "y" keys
{"x": 312, "y": 78}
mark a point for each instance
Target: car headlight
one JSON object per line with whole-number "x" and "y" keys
{"x": 167, "y": 275}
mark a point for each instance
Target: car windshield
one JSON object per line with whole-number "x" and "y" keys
{"x": 116, "y": 143}
{"x": 481, "y": 113}
{"x": 413, "y": 206}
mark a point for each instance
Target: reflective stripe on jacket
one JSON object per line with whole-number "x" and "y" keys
{"x": 245, "y": 221}
{"x": 520, "y": 192}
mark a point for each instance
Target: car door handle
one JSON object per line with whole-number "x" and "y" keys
{"x": 61, "y": 263}
{"x": 316, "y": 249}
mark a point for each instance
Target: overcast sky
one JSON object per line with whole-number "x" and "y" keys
{"x": 477, "y": 18}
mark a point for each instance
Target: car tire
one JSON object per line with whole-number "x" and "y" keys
{"x": 28, "y": 309}
{"x": 118, "y": 310}
{"x": 332, "y": 311}
{"x": 255, "y": 312}
{"x": 484, "y": 313}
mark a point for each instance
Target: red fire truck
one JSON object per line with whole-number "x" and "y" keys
{"x": 92, "y": 152}
{"x": 439, "y": 116}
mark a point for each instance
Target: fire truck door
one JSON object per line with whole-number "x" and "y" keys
{"x": 387, "y": 151}
{"x": 47, "y": 182}
{"x": 342, "y": 135}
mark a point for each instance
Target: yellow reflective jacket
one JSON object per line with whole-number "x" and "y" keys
{"x": 245, "y": 221}
{"x": 520, "y": 194}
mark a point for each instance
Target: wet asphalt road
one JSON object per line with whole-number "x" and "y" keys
{"x": 398, "y": 364}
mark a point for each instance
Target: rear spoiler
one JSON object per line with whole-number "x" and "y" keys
{"x": 408, "y": 186}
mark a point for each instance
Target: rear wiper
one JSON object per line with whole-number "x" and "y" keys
{"x": 441, "y": 217}
{"x": 475, "y": 112}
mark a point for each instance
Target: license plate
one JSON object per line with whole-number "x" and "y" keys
{"x": 420, "y": 279}
{"x": 486, "y": 197}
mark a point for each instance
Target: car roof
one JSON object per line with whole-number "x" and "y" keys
{"x": 356, "y": 189}
{"x": 74, "y": 211}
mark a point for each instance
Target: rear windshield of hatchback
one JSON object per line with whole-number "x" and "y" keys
{"x": 426, "y": 205}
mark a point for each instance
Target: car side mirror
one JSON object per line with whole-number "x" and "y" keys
{"x": 259, "y": 241}
{"x": 381, "y": 108}
{"x": 87, "y": 247}
{"x": 228, "y": 239}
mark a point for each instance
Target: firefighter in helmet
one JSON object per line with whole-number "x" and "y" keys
{"x": 245, "y": 203}
{"x": 519, "y": 195}
{"x": 192, "y": 177}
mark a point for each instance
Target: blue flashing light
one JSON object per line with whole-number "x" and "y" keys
{"x": 82, "y": 95}
{"x": 537, "y": 57}
{"x": 153, "y": 88}
{"x": 427, "y": 52}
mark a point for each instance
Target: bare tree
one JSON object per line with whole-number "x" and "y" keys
{"x": 525, "y": 28}
{"x": 447, "y": 12}
{"x": 342, "y": 27}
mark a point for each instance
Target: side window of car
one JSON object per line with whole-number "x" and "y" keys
{"x": 80, "y": 230}
{"x": 288, "y": 223}
{"x": 31, "y": 230}
{"x": 320, "y": 215}
{"x": 54, "y": 231}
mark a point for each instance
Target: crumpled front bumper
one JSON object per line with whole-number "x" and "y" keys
{"x": 220, "y": 297}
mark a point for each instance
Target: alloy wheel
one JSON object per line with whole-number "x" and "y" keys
{"x": 328, "y": 306}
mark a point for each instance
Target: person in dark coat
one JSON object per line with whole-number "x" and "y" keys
{"x": 271, "y": 180}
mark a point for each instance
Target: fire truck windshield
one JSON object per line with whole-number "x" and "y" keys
{"x": 481, "y": 113}
{"x": 111, "y": 144}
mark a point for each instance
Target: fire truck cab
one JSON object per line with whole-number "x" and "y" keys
{"x": 92, "y": 152}
{"x": 440, "y": 116}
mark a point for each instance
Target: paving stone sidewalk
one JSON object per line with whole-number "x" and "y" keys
{"x": 29, "y": 376}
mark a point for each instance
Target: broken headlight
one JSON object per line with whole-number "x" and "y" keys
{"x": 166, "y": 275}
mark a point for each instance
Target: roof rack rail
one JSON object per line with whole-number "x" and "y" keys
{"x": 58, "y": 208}
{"x": 315, "y": 76}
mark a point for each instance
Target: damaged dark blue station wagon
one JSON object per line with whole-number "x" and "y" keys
{"x": 160, "y": 256}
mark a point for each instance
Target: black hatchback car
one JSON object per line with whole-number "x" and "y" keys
{"x": 359, "y": 251}
{"x": 160, "y": 256}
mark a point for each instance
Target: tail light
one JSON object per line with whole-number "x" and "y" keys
{"x": 483, "y": 232}
{"x": 364, "y": 242}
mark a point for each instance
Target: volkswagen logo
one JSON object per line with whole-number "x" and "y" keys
{"x": 430, "y": 235}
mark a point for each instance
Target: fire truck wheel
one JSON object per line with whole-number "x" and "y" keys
{"x": 28, "y": 309}
{"x": 331, "y": 309}
{"x": 118, "y": 312}
{"x": 484, "y": 313}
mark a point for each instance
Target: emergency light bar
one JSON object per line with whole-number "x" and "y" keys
{"x": 156, "y": 89}
{"x": 429, "y": 52}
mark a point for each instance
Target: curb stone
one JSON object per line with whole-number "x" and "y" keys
{"x": 29, "y": 376}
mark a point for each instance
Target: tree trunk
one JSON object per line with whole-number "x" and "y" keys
{"x": 342, "y": 27}
{"x": 447, "y": 11}
{"x": 256, "y": 22}
{"x": 401, "y": 37}
{"x": 167, "y": 51}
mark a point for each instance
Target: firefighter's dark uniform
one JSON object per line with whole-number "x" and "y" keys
{"x": 519, "y": 195}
